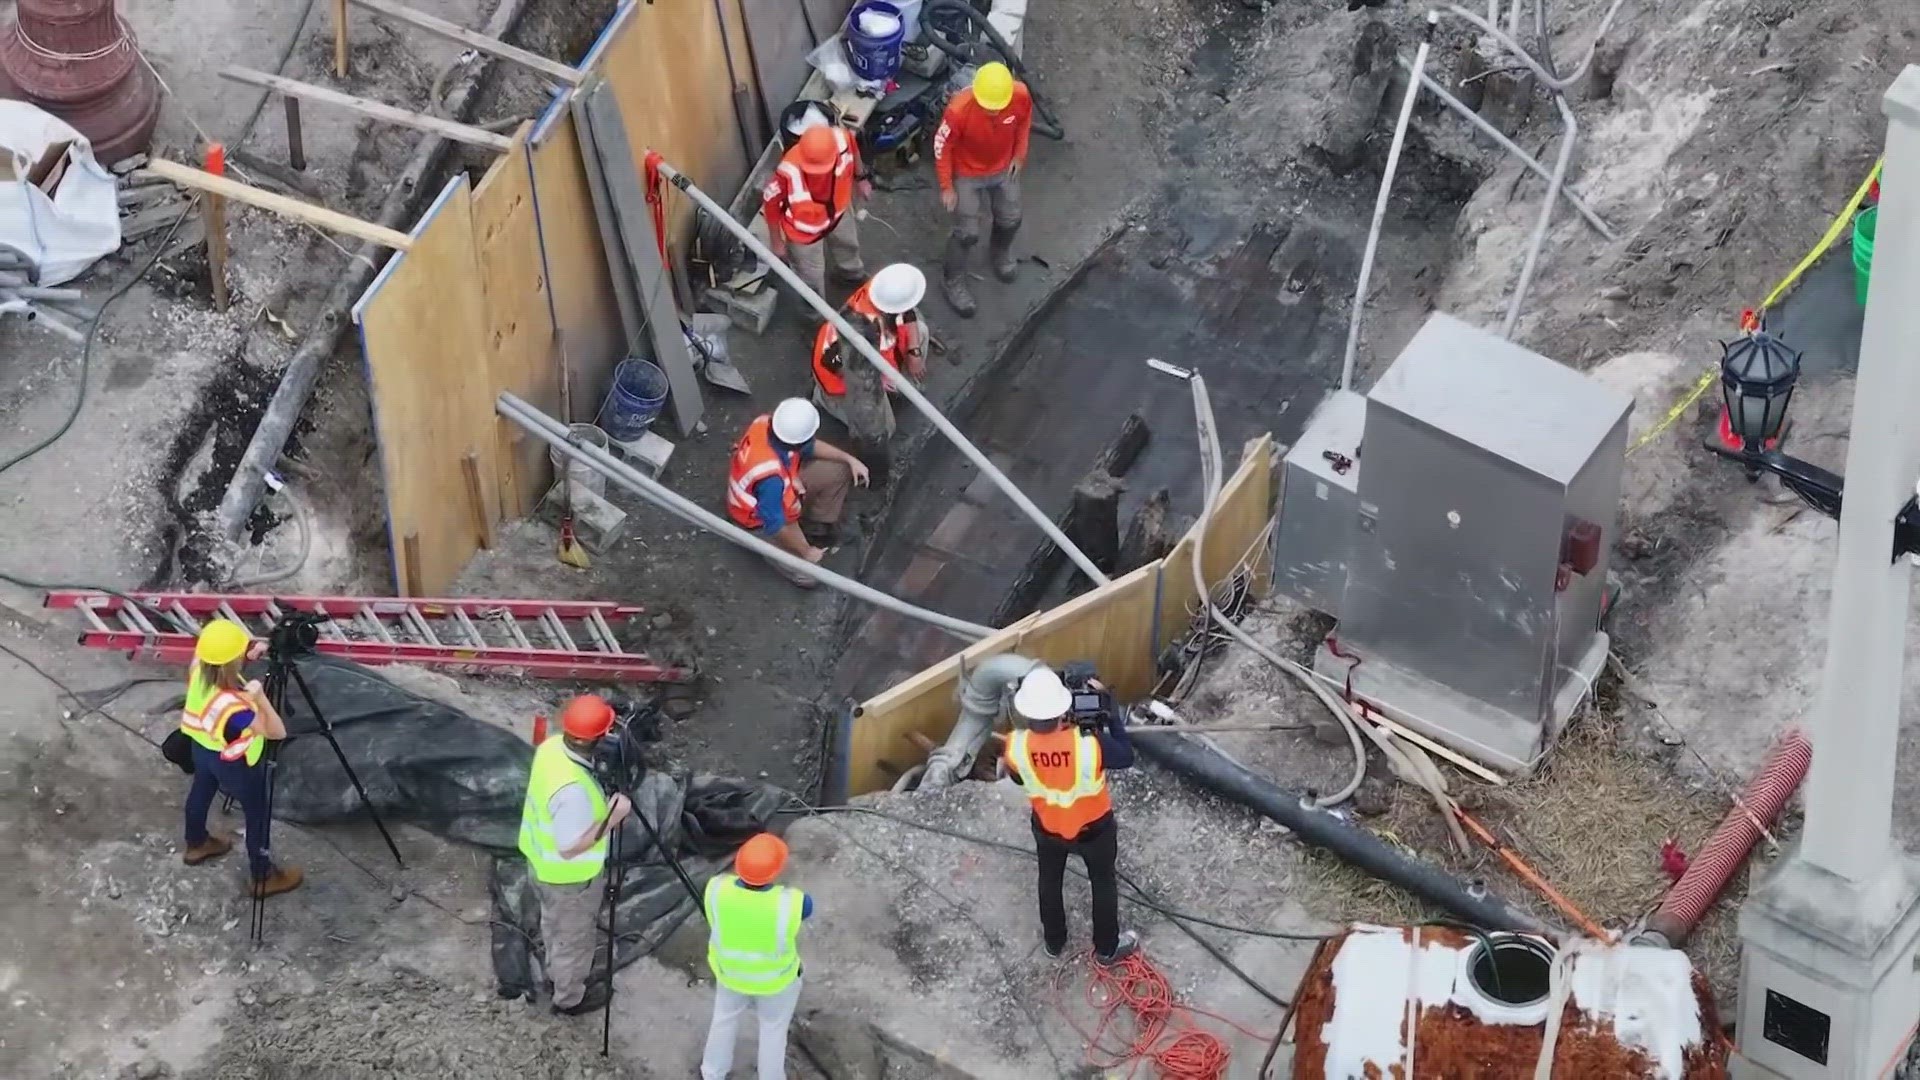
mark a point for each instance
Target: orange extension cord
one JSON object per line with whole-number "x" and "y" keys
{"x": 1163, "y": 1031}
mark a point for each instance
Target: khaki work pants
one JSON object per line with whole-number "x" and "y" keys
{"x": 826, "y": 484}
{"x": 569, "y": 916}
{"x": 841, "y": 245}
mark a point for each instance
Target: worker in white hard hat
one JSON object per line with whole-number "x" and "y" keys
{"x": 790, "y": 487}
{"x": 1060, "y": 752}
{"x": 845, "y": 385}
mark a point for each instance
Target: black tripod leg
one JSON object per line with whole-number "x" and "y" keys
{"x": 326, "y": 729}
{"x": 255, "y": 885}
{"x": 679, "y": 871}
{"x": 613, "y": 911}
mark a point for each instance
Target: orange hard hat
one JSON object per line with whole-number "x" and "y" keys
{"x": 760, "y": 859}
{"x": 587, "y": 717}
{"x": 818, "y": 149}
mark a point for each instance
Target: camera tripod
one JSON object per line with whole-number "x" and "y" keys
{"x": 292, "y": 637}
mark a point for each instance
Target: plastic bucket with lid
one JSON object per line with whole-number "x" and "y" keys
{"x": 582, "y": 474}
{"x": 874, "y": 32}
{"x": 1864, "y": 224}
{"x": 639, "y": 393}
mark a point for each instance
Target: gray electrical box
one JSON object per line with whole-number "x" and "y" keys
{"x": 1476, "y": 564}
{"x": 1320, "y": 500}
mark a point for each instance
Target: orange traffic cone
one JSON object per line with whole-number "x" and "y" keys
{"x": 539, "y": 728}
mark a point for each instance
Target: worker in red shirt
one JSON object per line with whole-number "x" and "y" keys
{"x": 809, "y": 207}
{"x": 978, "y": 153}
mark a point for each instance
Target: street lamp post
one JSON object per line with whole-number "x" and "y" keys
{"x": 1829, "y": 978}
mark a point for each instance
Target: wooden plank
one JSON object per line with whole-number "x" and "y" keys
{"x": 584, "y": 309}
{"x": 777, "y": 30}
{"x": 319, "y": 216}
{"x": 476, "y": 499}
{"x": 340, "y": 39}
{"x": 607, "y": 217}
{"x": 422, "y": 327}
{"x": 472, "y": 39}
{"x": 520, "y": 352}
{"x": 379, "y": 110}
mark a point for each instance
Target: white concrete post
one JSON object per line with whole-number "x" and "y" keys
{"x": 1828, "y": 985}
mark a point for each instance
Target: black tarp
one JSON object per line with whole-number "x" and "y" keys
{"x": 431, "y": 765}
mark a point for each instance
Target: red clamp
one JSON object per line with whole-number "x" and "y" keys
{"x": 656, "y": 202}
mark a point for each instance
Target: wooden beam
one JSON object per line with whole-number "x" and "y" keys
{"x": 340, "y": 39}
{"x": 379, "y": 110}
{"x": 420, "y": 20}
{"x": 318, "y": 216}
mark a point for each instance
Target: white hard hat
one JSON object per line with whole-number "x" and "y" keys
{"x": 1042, "y": 696}
{"x": 795, "y": 420}
{"x": 898, "y": 289}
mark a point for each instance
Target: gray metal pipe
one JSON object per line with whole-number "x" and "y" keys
{"x": 1481, "y": 124}
{"x": 905, "y": 386}
{"x": 1564, "y": 82}
{"x": 1380, "y": 202}
{"x": 983, "y": 695}
{"x": 554, "y": 434}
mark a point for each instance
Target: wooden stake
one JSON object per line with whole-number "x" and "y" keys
{"x": 410, "y": 564}
{"x": 216, "y": 213}
{"x": 339, "y": 39}
{"x": 317, "y": 216}
{"x": 296, "y": 149}
{"x": 470, "y": 469}
{"x": 379, "y": 110}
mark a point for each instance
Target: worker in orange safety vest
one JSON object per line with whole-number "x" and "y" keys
{"x": 789, "y": 487}
{"x": 809, "y": 207}
{"x": 979, "y": 150}
{"x": 1063, "y": 767}
{"x": 845, "y": 385}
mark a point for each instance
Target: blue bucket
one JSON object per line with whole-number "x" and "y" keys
{"x": 874, "y": 58}
{"x": 639, "y": 393}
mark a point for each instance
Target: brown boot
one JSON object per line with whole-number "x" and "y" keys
{"x": 282, "y": 879}
{"x": 212, "y": 847}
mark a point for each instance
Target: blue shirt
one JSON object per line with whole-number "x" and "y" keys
{"x": 770, "y": 493}
{"x": 806, "y": 902}
{"x": 237, "y": 723}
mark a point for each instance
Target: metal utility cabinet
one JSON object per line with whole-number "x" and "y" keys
{"x": 1473, "y": 543}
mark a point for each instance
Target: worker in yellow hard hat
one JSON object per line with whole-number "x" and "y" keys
{"x": 229, "y": 721}
{"x": 979, "y": 151}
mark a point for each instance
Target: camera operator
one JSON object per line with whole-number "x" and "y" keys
{"x": 229, "y": 723}
{"x": 1072, "y": 736}
{"x": 565, "y": 823}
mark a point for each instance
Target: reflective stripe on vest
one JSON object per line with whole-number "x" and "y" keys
{"x": 553, "y": 769}
{"x": 803, "y": 218}
{"x": 753, "y": 940}
{"x": 204, "y": 720}
{"x": 755, "y": 459}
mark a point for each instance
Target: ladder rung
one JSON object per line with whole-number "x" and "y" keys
{"x": 608, "y": 637}
{"x": 474, "y": 637}
{"x": 376, "y": 629}
{"x": 92, "y": 615}
{"x": 420, "y": 627}
{"x": 513, "y": 630}
{"x": 139, "y": 619}
{"x": 185, "y": 618}
{"x": 563, "y": 640}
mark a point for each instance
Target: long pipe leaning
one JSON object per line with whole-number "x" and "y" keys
{"x": 554, "y": 434}
{"x": 1380, "y": 201}
{"x": 907, "y": 389}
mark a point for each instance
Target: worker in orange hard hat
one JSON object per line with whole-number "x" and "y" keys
{"x": 979, "y": 150}
{"x": 228, "y": 720}
{"x": 753, "y": 948}
{"x": 565, "y": 823}
{"x": 809, "y": 207}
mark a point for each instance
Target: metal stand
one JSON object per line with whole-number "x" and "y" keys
{"x": 613, "y": 908}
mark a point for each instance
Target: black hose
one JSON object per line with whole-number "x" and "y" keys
{"x": 1044, "y": 121}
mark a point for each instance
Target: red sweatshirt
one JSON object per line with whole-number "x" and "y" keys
{"x": 974, "y": 142}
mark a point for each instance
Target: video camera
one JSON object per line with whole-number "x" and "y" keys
{"x": 1093, "y": 706}
{"x": 295, "y": 634}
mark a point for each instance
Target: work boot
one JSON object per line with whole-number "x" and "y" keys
{"x": 281, "y": 879}
{"x": 211, "y": 848}
{"x": 592, "y": 1001}
{"x": 1000, "y": 254}
{"x": 1128, "y": 944}
{"x": 1054, "y": 952}
{"x": 959, "y": 295}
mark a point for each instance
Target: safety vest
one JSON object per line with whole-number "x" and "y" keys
{"x": 553, "y": 769}
{"x": 829, "y": 364}
{"x": 753, "y": 935}
{"x": 790, "y": 203}
{"x": 755, "y": 459}
{"x": 204, "y": 720}
{"x": 1062, "y": 775}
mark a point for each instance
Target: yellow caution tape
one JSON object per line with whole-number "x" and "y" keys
{"x": 1779, "y": 291}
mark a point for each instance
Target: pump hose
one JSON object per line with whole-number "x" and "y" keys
{"x": 1044, "y": 121}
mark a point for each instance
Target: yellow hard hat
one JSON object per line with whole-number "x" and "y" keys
{"x": 993, "y": 86}
{"x": 221, "y": 642}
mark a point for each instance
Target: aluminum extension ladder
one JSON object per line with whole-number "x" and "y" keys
{"x": 513, "y": 637}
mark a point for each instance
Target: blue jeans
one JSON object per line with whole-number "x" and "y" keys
{"x": 246, "y": 784}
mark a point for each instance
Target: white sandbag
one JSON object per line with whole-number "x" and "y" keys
{"x": 879, "y": 24}
{"x": 66, "y": 231}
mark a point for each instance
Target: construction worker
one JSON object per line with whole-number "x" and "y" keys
{"x": 845, "y": 385}
{"x": 790, "y": 487}
{"x": 809, "y": 207}
{"x": 230, "y": 721}
{"x": 564, "y": 825}
{"x": 753, "y": 947}
{"x": 1063, "y": 767}
{"x": 979, "y": 151}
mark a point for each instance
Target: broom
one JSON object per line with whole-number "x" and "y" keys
{"x": 571, "y": 552}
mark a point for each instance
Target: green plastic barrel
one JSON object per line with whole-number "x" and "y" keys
{"x": 1863, "y": 226}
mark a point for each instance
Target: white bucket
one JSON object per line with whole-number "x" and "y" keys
{"x": 582, "y": 474}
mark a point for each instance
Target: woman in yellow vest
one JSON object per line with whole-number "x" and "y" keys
{"x": 753, "y": 947}
{"x": 230, "y": 721}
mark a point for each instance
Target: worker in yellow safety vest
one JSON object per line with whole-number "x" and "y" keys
{"x": 564, "y": 825}
{"x": 753, "y": 947}
{"x": 229, "y": 721}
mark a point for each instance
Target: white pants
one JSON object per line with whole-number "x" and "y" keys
{"x": 775, "y": 1012}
